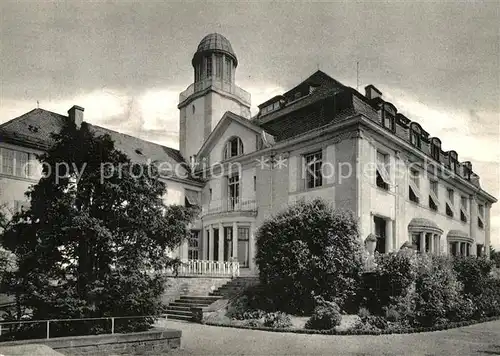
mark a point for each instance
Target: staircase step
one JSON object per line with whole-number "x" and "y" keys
{"x": 195, "y": 297}
{"x": 201, "y": 300}
{"x": 179, "y": 317}
{"x": 189, "y": 305}
{"x": 179, "y": 312}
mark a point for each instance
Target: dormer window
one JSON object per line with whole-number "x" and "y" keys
{"x": 233, "y": 148}
{"x": 453, "y": 165}
{"x": 436, "y": 148}
{"x": 415, "y": 135}
{"x": 389, "y": 116}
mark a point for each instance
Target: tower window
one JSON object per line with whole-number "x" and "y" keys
{"x": 228, "y": 76}
{"x": 194, "y": 109}
{"x": 218, "y": 66}
{"x": 209, "y": 66}
{"x": 233, "y": 148}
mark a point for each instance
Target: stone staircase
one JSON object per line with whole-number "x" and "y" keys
{"x": 180, "y": 309}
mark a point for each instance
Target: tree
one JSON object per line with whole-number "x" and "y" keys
{"x": 95, "y": 231}
{"x": 309, "y": 250}
{"x": 495, "y": 256}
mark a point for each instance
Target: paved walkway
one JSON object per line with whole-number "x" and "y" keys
{"x": 479, "y": 339}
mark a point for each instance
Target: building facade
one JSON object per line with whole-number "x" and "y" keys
{"x": 320, "y": 139}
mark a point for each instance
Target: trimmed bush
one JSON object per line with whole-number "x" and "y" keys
{"x": 277, "y": 320}
{"x": 310, "y": 249}
{"x": 326, "y": 316}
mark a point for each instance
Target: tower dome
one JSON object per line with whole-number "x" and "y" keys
{"x": 215, "y": 43}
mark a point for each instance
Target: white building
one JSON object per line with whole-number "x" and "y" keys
{"x": 319, "y": 139}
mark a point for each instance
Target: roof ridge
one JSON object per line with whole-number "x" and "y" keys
{"x": 134, "y": 137}
{"x": 28, "y": 113}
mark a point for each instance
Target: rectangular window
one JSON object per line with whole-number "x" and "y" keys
{"x": 210, "y": 194}
{"x": 380, "y": 232}
{"x": 383, "y": 171}
{"x": 228, "y": 243}
{"x": 480, "y": 209}
{"x": 480, "y": 223}
{"x": 451, "y": 196}
{"x": 194, "y": 245}
{"x": 479, "y": 250}
{"x": 435, "y": 151}
{"x": 8, "y": 157}
{"x": 434, "y": 186}
{"x": 21, "y": 164}
{"x": 432, "y": 204}
{"x": 233, "y": 191}
{"x": 218, "y": 66}
{"x": 463, "y": 217}
{"x": 449, "y": 211}
{"x": 463, "y": 201}
{"x": 415, "y": 138}
{"x": 254, "y": 183}
{"x": 243, "y": 246}
{"x": 389, "y": 121}
{"x": 414, "y": 186}
{"x": 314, "y": 162}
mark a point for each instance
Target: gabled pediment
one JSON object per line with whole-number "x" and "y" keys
{"x": 232, "y": 125}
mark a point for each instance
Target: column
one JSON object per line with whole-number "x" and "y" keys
{"x": 487, "y": 208}
{"x": 438, "y": 244}
{"x": 422, "y": 242}
{"x": 458, "y": 248}
{"x": 221, "y": 243}
{"x": 235, "y": 241}
{"x": 473, "y": 211}
{"x": 388, "y": 236}
{"x": 204, "y": 245}
{"x": 251, "y": 248}
{"x": 184, "y": 250}
{"x": 211, "y": 243}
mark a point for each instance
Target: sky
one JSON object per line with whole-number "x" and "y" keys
{"x": 126, "y": 62}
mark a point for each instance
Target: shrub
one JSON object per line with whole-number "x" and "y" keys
{"x": 473, "y": 273}
{"x": 363, "y": 313}
{"x": 326, "y": 316}
{"x": 240, "y": 309}
{"x": 254, "y": 323}
{"x": 277, "y": 320}
{"x": 391, "y": 314}
{"x": 438, "y": 290}
{"x": 308, "y": 249}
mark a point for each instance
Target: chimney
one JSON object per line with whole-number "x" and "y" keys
{"x": 75, "y": 114}
{"x": 371, "y": 92}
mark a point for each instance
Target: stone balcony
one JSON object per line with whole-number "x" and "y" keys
{"x": 229, "y": 205}
{"x": 219, "y": 84}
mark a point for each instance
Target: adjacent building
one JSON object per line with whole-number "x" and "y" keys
{"x": 319, "y": 139}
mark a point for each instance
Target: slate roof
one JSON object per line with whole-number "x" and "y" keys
{"x": 422, "y": 223}
{"x": 34, "y": 129}
{"x": 215, "y": 42}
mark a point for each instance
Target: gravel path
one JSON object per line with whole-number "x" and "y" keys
{"x": 480, "y": 339}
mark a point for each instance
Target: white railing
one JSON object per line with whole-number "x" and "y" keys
{"x": 228, "y": 205}
{"x": 205, "y": 268}
{"x": 218, "y": 84}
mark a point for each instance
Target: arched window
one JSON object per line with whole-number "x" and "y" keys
{"x": 415, "y": 135}
{"x": 233, "y": 148}
{"x": 435, "y": 148}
